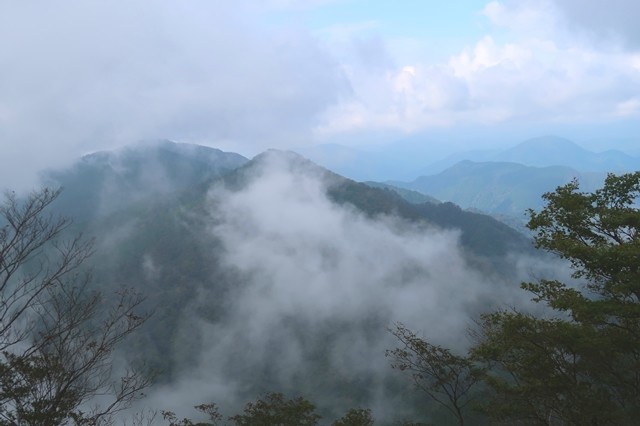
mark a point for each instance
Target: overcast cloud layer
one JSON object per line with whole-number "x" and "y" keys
{"x": 80, "y": 75}
{"x": 77, "y": 75}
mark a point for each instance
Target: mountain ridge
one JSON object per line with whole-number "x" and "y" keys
{"x": 100, "y": 182}
{"x": 237, "y": 252}
{"x": 498, "y": 187}
{"x": 382, "y": 163}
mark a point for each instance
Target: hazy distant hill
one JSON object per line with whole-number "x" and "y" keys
{"x": 450, "y": 160}
{"x": 543, "y": 152}
{"x": 352, "y": 162}
{"x": 498, "y": 187}
{"x": 398, "y": 162}
{"x": 556, "y": 151}
{"x": 394, "y": 161}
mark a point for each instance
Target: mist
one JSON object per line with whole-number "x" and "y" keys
{"x": 316, "y": 280}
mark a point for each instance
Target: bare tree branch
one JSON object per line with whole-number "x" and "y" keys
{"x": 57, "y": 336}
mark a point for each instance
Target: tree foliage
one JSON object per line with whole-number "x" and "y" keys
{"x": 57, "y": 335}
{"x": 445, "y": 377}
{"x": 356, "y": 417}
{"x": 211, "y": 411}
{"x": 272, "y": 410}
{"x": 275, "y": 410}
{"x": 579, "y": 365}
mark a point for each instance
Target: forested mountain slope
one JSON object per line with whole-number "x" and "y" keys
{"x": 105, "y": 182}
{"x": 279, "y": 275}
{"x": 498, "y": 187}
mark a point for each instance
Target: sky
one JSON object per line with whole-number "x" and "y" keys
{"x": 81, "y": 75}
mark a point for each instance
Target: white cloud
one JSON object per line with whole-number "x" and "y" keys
{"x": 612, "y": 21}
{"x": 628, "y": 108}
{"x": 529, "y": 68}
{"x": 295, "y": 4}
{"x": 487, "y": 54}
{"x": 84, "y": 74}
{"x": 525, "y": 16}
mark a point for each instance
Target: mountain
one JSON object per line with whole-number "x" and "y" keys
{"x": 414, "y": 197}
{"x": 362, "y": 164}
{"x": 450, "y": 160}
{"x": 106, "y": 186}
{"x": 507, "y": 183}
{"x": 482, "y": 235}
{"x": 498, "y": 187}
{"x": 541, "y": 151}
{"x": 276, "y": 274}
{"x": 376, "y": 163}
{"x": 556, "y": 151}
{"x": 347, "y": 161}
{"x": 398, "y": 162}
{"x": 629, "y": 145}
{"x": 157, "y": 185}
{"x": 104, "y": 182}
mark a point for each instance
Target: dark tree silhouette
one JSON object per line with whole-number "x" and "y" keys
{"x": 57, "y": 334}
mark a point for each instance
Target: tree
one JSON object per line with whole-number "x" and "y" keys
{"x": 582, "y": 364}
{"x": 211, "y": 410}
{"x": 57, "y": 335}
{"x": 579, "y": 364}
{"x": 275, "y": 410}
{"x": 272, "y": 410}
{"x": 355, "y": 417}
{"x": 446, "y": 378}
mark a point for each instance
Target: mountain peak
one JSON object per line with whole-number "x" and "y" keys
{"x": 106, "y": 180}
{"x": 548, "y": 144}
{"x": 277, "y": 160}
{"x": 554, "y": 150}
{"x": 545, "y": 151}
{"x": 548, "y": 140}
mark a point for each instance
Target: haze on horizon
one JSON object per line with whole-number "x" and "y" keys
{"x": 78, "y": 76}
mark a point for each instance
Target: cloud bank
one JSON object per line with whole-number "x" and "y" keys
{"x": 317, "y": 284}
{"x": 82, "y": 75}
{"x": 539, "y": 63}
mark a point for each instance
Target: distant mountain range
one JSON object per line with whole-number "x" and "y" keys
{"x": 386, "y": 164}
{"x": 555, "y": 151}
{"x": 499, "y": 187}
{"x": 103, "y": 182}
{"x": 505, "y": 183}
{"x": 361, "y": 164}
